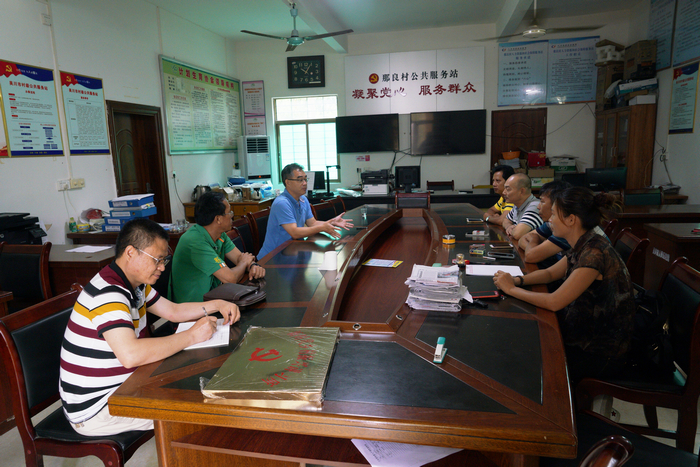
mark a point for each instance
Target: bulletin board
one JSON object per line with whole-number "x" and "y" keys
{"x": 202, "y": 108}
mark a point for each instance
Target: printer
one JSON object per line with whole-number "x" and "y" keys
{"x": 19, "y": 228}
{"x": 375, "y": 182}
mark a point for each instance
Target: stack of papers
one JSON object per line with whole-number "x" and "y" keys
{"x": 435, "y": 288}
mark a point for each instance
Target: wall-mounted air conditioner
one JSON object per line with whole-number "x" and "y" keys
{"x": 254, "y": 157}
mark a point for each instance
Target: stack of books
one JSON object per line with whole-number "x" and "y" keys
{"x": 126, "y": 208}
{"x": 435, "y": 288}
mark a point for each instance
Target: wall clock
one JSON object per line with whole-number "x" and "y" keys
{"x": 306, "y": 72}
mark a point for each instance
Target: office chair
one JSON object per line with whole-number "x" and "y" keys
{"x": 245, "y": 233}
{"x": 258, "y": 221}
{"x": 632, "y": 249}
{"x": 338, "y": 205}
{"x": 681, "y": 286}
{"x": 441, "y": 185}
{"x": 24, "y": 271}
{"x": 412, "y": 200}
{"x": 609, "y": 227}
{"x": 603, "y": 443}
{"x": 30, "y": 347}
{"x": 323, "y": 211}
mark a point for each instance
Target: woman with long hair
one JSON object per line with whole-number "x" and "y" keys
{"x": 595, "y": 304}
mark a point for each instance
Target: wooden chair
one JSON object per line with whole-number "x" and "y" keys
{"x": 30, "y": 346}
{"x": 245, "y": 233}
{"x": 412, "y": 200}
{"x": 610, "y": 227}
{"x": 612, "y": 451}
{"x": 258, "y": 221}
{"x": 24, "y": 271}
{"x": 632, "y": 250}
{"x": 338, "y": 205}
{"x": 446, "y": 185}
{"x": 681, "y": 285}
{"x": 235, "y": 237}
{"x": 323, "y": 211}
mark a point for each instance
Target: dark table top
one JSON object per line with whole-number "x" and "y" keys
{"x": 495, "y": 391}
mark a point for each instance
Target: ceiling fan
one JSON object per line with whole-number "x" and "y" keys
{"x": 293, "y": 41}
{"x": 534, "y": 31}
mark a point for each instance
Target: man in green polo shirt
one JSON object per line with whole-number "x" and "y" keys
{"x": 199, "y": 262}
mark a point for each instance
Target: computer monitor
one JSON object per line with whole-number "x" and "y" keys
{"x": 606, "y": 179}
{"x": 407, "y": 177}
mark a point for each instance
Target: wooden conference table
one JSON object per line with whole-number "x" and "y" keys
{"x": 501, "y": 393}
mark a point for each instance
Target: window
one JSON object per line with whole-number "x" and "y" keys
{"x": 306, "y": 132}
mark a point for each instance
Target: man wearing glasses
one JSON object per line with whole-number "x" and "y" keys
{"x": 199, "y": 263}
{"x": 106, "y": 336}
{"x": 291, "y": 216}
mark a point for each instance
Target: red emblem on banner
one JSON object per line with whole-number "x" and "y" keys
{"x": 68, "y": 79}
{"x": 677, "y": 72}
{"x": 257, "y": 357}
{"x": 8, "y": 69}
{"x": 374, "y": 78}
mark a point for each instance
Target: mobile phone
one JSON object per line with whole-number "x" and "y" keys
{"x": 474, "y": 220}
{"x": 500, "y": 246}
{"x": 499, "y": 254}
{"x": 485, "y": 294}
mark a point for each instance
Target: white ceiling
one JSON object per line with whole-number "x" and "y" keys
{"x": 227, "y": 17}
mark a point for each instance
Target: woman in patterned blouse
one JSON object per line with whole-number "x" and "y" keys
{"x": 595, "y": 304}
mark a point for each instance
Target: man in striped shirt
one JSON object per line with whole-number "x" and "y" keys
{"x": 105, "y": 340}
{"x": 524, "y": 217}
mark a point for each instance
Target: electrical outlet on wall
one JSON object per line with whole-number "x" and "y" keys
{"x": 63, "y": 185}
{"x": 77, "y": 183}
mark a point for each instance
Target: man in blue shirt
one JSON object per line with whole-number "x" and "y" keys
{"x": 291, "y": 216}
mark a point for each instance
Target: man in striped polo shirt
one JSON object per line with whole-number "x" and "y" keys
{"x": 524, "y": 217}
{"x": 105, "y": 340}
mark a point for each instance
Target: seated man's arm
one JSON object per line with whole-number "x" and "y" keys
{"x": 518, "y": 230}
{"x": 491, "y": 213}
{"x": 312, "y": 227}
{"x": 507, "y": 221}
{"x": 243, "y": 262}
{"x": 544, "y": 250}
{"x": 133, "y": 352}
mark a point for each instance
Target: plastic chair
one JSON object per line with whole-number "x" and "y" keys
{"x": 412, "y": 200}
{"x": 30, "y": 346}
{"x": 24, "y": 271}
{"x": 323, "y": 211}
{"x": 258, "y": 222}
{"x": 681, "y": 285}
{"x": 441, "y": 185}
{"x": 338, "y": 205}
{"x": 632, "y": 250}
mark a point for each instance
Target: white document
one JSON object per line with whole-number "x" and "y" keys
{"x": 219, "y": 339}
{"x": 490, "y": 270}
{"x": 385, "y": 454}
{"x": 435, "y": 275}
{"x": 88, "y": 249}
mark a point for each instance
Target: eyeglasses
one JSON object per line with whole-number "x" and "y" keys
{"x": 300, "y": 179}
{"x": 159, "y": 261}
{"x": 228, "y": 214}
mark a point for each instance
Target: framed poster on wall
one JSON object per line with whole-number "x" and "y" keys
{"x": 202, "y": 108}
{"x": 30, "y": 125}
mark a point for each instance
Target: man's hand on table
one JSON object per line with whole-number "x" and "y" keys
{"x": 504, "y": 281}
{"x": 338, "y": 221}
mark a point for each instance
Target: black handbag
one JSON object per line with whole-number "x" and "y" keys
{"x": 241, "y": 295}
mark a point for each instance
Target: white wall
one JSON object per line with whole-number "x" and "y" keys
{"x": 118, "y": 41}
{"x": 683, "y": 161}
{"x": 570, "y": 127}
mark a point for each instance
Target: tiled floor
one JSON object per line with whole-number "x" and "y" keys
{"x": 12, "y": 455}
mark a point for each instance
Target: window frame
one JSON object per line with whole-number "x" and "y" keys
{"x": 305, "y": 122}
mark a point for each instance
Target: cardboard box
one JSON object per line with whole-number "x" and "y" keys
{"x": 544, "y": 172}
{"x": 537, "y": 182}
{"x": 536, "y": 159}
{"x": 131, "y": 201}
{"x": 643, "y": 99}
{"x": 607, "y": 75}
{"x": 556, "y": 162}
{"x": 640, "y": 60}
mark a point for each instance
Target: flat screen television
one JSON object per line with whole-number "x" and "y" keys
{"x": 451, "y": 132}
{"x": 367, "y": 133}
{"x": 319, "y": 180}
{"x": 407, "y": 177}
